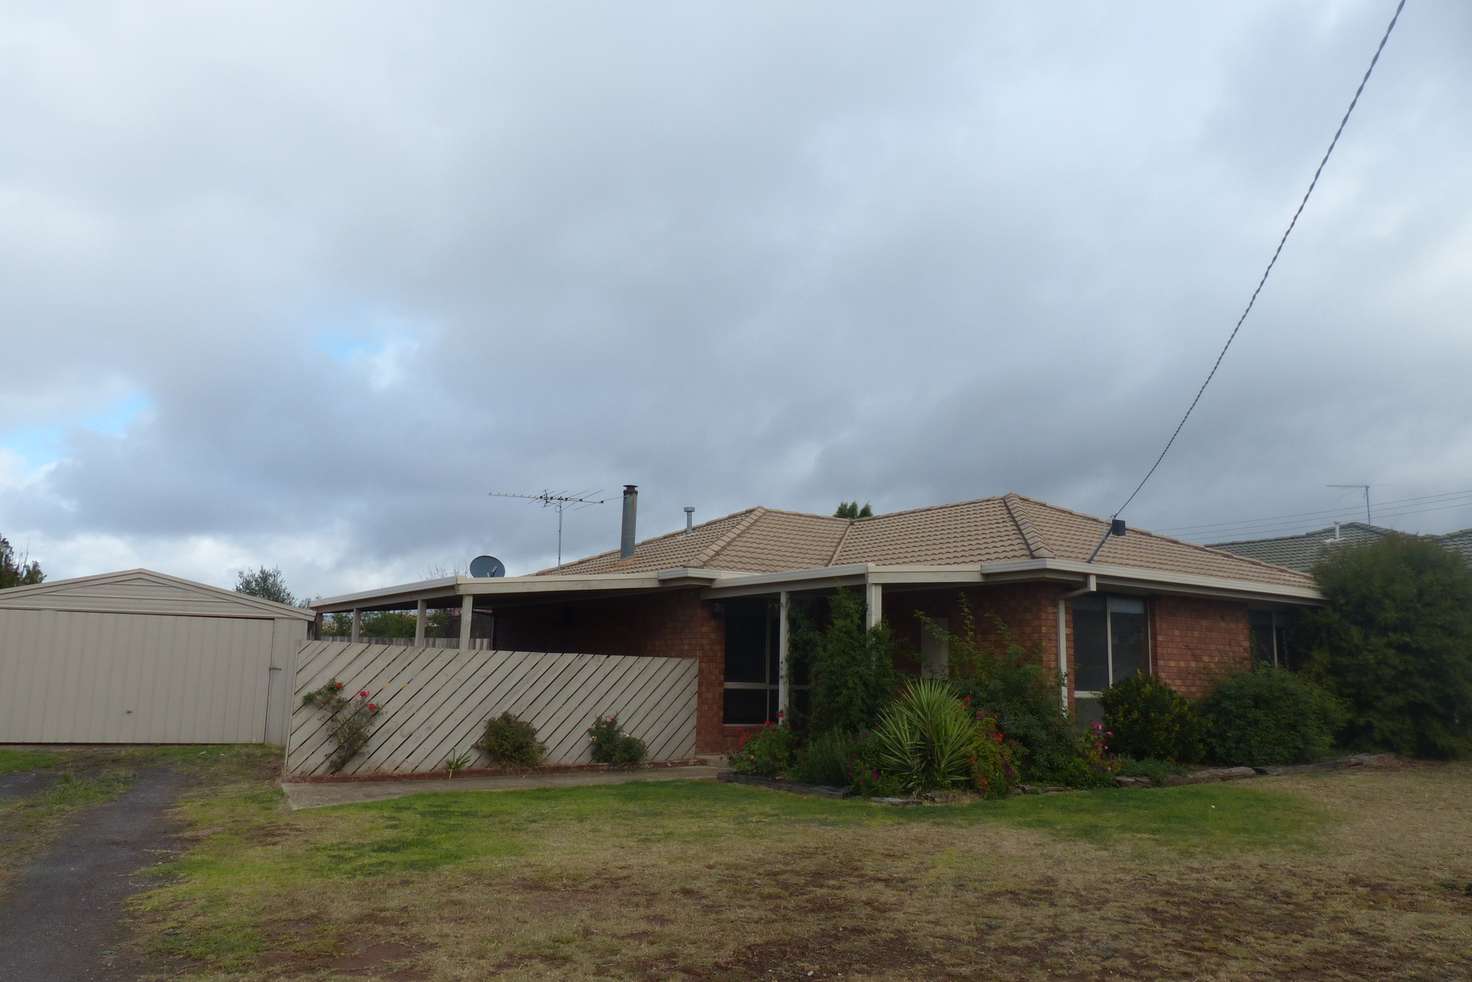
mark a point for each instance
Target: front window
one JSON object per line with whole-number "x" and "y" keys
{"x": 1269, "y": 629}
{"x": 753, "y": 675}
{"x": 1111, "y": 642}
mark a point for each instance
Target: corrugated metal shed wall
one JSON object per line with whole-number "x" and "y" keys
{"x": 142, "y": 658}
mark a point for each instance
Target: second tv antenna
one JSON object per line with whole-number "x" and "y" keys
{"x": 549, "y": 499}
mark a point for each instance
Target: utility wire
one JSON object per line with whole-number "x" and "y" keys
{"x": 1265, "y": 273}
{"x": 1280, "y": 519}
{"x": 1349, "y": 517}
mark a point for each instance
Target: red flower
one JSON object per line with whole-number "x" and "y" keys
{"x": 363, "y": 694}
{"x": 336, "y": 685}
{"x": 996, "y": 738}
{"x": 372, "y": 707}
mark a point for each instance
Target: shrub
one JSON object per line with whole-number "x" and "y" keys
{"x": 511, "y": 742}
{"x": 767, "y": 751}
{"x": 1008, "y": 681}
{"x": 1270, "y": 716}
{"x": 1147, "y": 718}
{"x": 993, "y": 770}
{"x": 1394, "y": 642}
{"x": 611, "y": 745}
{"x": 852, "y": 668}
{"x": 349, "y": 720}
{"x": 829, "y": 759}
{"x": 927, "y": 739}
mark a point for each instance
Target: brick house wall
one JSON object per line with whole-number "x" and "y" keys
{"x": 1197, "y": 641}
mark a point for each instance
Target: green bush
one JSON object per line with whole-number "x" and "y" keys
{"x": 829, "y": 759}
{"x": 611, "y": 745}
{"x": 1393, "y": 640}
{"x": 1008, "y": 681}
{"x": 1145, "y": 718}
{"x": 510, "y": 742}
{"x": 993, "y": 771}
{"x": 766, "y": 752}
{"x": 1270, "y": 716}
{"x": 927, "y": 739}
{"x": 852, "y": 668}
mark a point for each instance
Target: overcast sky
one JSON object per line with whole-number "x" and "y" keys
{"x": 298, "y": 285}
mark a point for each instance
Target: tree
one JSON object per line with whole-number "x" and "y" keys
{"x": 1394, "y": 642}
{"x": 17, "y": 572}
{"x": 268, "y": 584}
{"x": 851, "y": 509}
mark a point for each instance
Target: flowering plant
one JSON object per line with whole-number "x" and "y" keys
{"x": 1096, "y": 753}
{"x": 993, "y": 763}
{"x": 767, "y": 751}
{"x": 349, "y": 720}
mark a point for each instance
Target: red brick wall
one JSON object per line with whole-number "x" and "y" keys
{"x": 1195, "y": 642}
{"x": 664, "y": 625}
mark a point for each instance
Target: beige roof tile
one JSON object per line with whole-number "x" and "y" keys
{"x": 965, "y": 533}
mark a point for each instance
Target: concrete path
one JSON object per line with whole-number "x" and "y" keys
{"x": 61, "y": 919}
{"x": 309, "y": 795}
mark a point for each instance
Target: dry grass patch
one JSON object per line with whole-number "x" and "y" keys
{"x": 1279, "y": 877}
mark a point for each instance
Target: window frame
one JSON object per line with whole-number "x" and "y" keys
{"x": 1277, "y": 624}
{"x": 1109, "y": 639}
{"x": 771, "y": 654}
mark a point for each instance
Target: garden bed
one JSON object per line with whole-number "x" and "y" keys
{"x": 489, "y": 772}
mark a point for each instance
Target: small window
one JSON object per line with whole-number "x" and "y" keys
{"x": 1111, "y": 641}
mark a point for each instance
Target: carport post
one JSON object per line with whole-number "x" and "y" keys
{"x": 784, "y": 686}
{"x": 357, "y": 623}
{"x": 467, "y": 614}
{"x": 873, "y": 604}
{"x": 419, "y": 624}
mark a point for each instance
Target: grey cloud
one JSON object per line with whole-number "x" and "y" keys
{"x": 768, "y": 255}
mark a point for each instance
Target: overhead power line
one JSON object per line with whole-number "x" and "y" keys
{"x": 1297, "y": 528}
{"x": 1262, "y": 281}
{"x": 1322, "y": 513}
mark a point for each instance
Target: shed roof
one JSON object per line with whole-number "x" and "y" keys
{"x": 143, "y": 591}
{"x": 1008, "y": 527}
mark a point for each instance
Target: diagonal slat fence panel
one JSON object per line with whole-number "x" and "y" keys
{"x": 434, "y": 701}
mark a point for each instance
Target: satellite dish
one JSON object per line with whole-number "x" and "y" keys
{"x": 484, "y": 566}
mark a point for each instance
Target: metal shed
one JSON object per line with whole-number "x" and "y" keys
{"x": 140, "y": 657}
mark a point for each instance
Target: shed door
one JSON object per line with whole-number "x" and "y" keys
{"x": 83, "y": 677}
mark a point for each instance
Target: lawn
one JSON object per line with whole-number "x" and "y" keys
{"x": 1349, "y": 874}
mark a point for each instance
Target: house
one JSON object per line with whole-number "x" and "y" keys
{"x": 1303, "y": 550}
{"x": 716, "y": 592}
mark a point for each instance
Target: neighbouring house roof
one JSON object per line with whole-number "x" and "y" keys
{"x": 1459, "y": 543}
{"x": 1303, "y": 550}
{"x": 987, "y": 530}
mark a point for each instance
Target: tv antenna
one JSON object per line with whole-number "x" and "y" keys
{"x": 559, "y": 501}
{"x": 1357, "y": 487}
